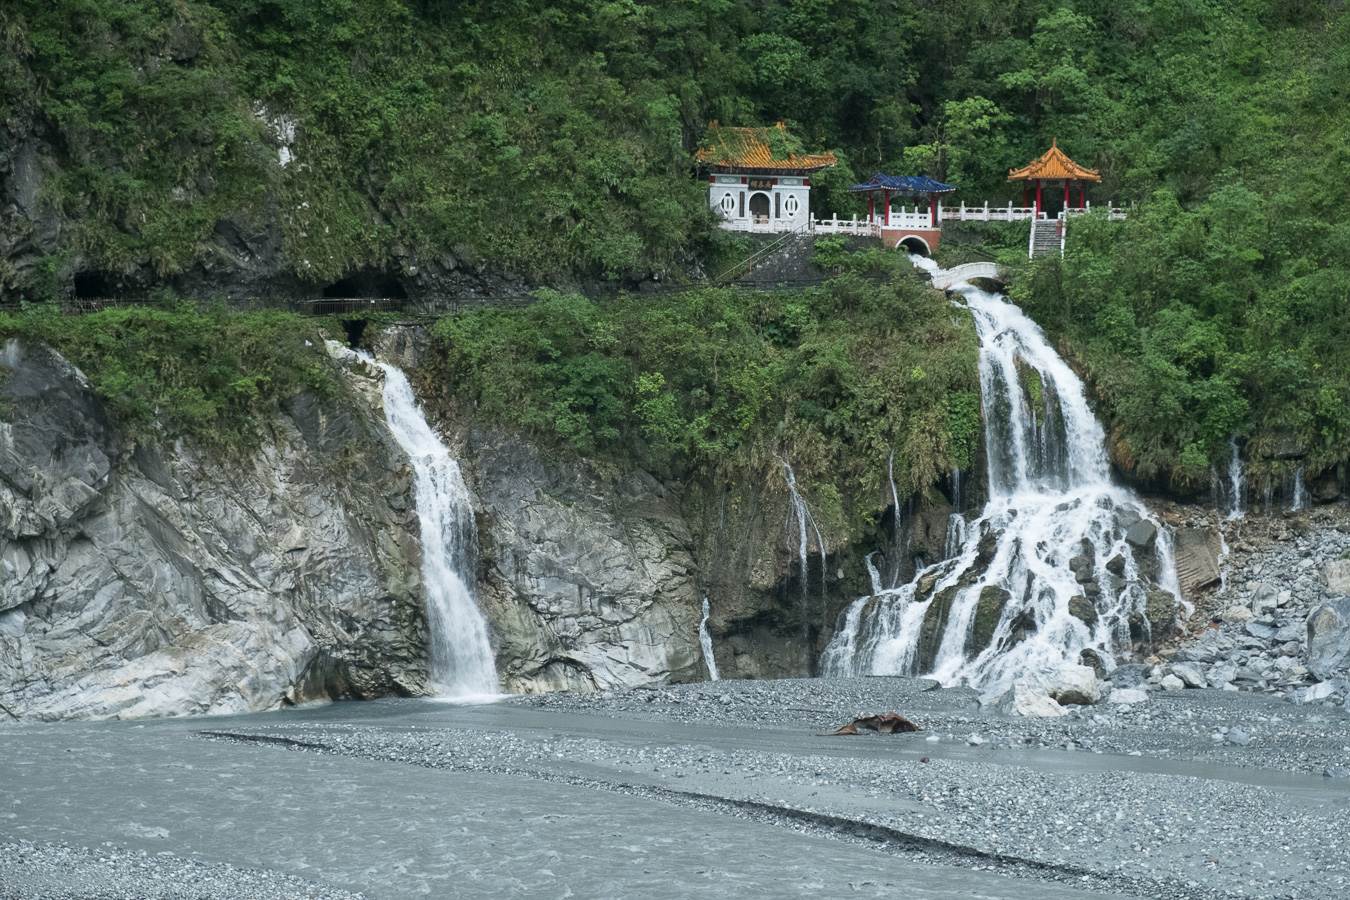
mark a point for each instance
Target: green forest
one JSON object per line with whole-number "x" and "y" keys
{"x": 559, "y": 137}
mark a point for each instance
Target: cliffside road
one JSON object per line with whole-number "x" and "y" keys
{"x": 704, "y": 790}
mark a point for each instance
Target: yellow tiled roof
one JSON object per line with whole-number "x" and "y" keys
{"x": 1054, "y": 165}
{"x": 749, "y": 148}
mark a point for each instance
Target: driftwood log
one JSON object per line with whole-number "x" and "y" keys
{"x": 889, "y": 723}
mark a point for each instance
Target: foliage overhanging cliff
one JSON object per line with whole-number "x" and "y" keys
{"x": 549, "y": 138}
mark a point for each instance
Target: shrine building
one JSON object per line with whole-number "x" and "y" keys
{"x": 1053, "y": 170}
{"x": 757, "y": 181}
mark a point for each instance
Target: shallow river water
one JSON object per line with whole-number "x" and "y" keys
{"x": 581, "y": 827}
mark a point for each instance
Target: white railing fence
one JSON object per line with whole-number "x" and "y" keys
{"x": 906, "y": 217}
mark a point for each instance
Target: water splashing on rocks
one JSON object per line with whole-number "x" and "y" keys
{"x": 705, "y": 641}
{"x": 461, "y": 655}
{"x": 1061, "y": 560}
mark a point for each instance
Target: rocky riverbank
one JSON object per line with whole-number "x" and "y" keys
{"x": 1278, "y": 619}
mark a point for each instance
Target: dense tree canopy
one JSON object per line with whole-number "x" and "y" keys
{"x": 559, "y": 136}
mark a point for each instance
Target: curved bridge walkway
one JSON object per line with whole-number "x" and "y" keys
{"x": 949, "y": 278}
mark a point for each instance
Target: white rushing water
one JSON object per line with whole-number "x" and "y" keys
{"x": 1300, "y": 490}
{"x": 705, "y": 641}
{"x": 461, "y": 655}
{"x": 799, "y": 514}
{"x": 1237, "y": 481}
{"x": 1052, "y": 509}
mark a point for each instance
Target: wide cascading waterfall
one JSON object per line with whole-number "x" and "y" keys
{"x": 1060, "y": 561}
{"x": 461, "y": 655}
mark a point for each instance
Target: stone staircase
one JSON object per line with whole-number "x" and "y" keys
{"x": 1045, "y": 237}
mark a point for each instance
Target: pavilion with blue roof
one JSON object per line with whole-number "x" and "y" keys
{"x": 918, "y": 229}
{"x": 889, "y": 186}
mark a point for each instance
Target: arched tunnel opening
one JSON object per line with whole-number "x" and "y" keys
{"x": 94, "y": 285}
{"x": 914, "y": 244}
{"x": 366, "y": 284}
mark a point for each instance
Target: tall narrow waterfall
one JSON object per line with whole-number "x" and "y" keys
{"x": 1060, "y": 561}
{"x": 705, "y": 641}
{"x": 800, "y": 514}
{"x": 461, "y": 656}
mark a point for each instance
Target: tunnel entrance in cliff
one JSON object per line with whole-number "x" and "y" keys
{"x": 94, "y": 285}
{"x": 354, "y": 329}
{"x": 360, "y": 291}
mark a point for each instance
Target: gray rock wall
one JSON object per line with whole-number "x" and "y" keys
{"x": 165, "y": 581}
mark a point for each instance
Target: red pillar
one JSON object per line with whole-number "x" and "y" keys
{"x": 932, "y": 210}
{"x": 886, "y": 198}
{"x": 1038, "y": 198}
{"x": 871, "y": 208}
{"x": 1066, "y": 194}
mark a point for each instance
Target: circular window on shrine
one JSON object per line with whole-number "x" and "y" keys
{"x": 728, "y": 204}
{"x": 790, "y": 206}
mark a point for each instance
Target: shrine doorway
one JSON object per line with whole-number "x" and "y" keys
{"x": 759, "y": 207}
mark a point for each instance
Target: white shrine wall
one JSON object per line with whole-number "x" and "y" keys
{"x": 760, "y": 202}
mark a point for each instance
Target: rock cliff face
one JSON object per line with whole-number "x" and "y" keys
{"x": 162, "y": 581}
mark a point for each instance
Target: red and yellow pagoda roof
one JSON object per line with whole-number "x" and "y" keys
{"x": 761, "y": 149}
{"x": 1053, "y": 166}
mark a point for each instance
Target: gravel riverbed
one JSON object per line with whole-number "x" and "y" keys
{"x": 1151, "y": 800}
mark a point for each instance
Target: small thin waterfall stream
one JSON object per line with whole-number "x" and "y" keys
{"x": 799, "y": 512}
{"x": 1046, "y": 571}
{"x": 461, "y": 655}
{"x": 705, "y": 641}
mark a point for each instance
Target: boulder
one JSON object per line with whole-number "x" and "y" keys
{"x": 1116, "y": 565}
{"x": 1074, "y": 685}
{"x": 1329, "y": 637}
{"x": 1172, "y": 683}
{"x": 1264, "y": 599}
{"x": 1337, "y": 575}
{"x": 1190, "y": 674}
{"x": 1142, "y": 535}
{"x": 1236, "y": 615}
{"x": 1026, "y": 697}
{"x": 1093, "y": 660}
{"x": 1127, "y": 695}
{"x": 1260, "y": 631}
{"x": 1196, "y": 561}
{"x": 1081, "y": 608}
{"x": 1081, "y": 567}
{"x": 1130, "y": 675}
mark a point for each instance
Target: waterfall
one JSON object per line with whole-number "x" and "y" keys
{"x": 1046, "y": 571}
{"x": 1300, "y": 490}
{"x": 461, "y": 656}
{"x": 801, "y": 514}
{"x": 705, "y": 641}
{"x": 897, "y": 548}
{"x": 1236, "y": 479}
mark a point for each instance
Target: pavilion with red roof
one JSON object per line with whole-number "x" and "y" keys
{"x": 1053, "y": 168}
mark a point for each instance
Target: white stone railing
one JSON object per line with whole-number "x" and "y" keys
{"x": 855, "y": 225}
{"x": 904, "y": 217}
{"x": 1112, "y": 213}
{"x": 987, "y": 213}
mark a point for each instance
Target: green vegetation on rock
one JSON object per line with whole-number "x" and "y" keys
{"x": 832, "y": 379}
{"x": 166, "y": 373}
